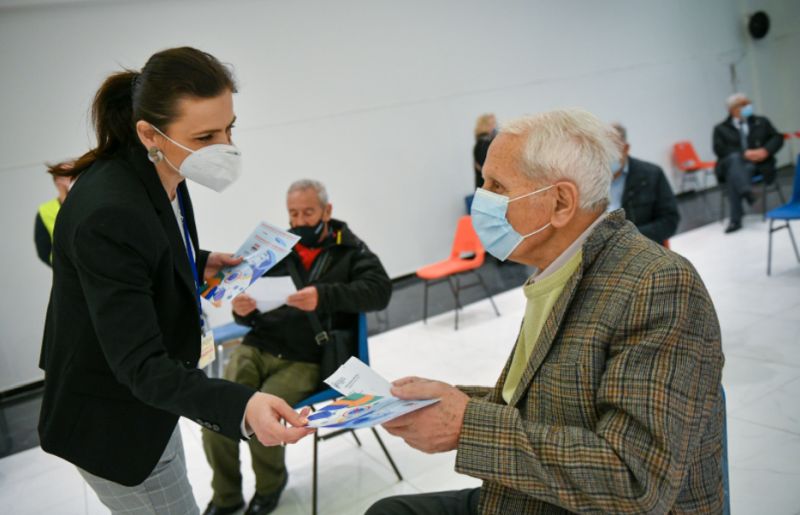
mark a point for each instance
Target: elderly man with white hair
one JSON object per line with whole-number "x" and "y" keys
{"x": 745, "y": 145}
{"x": 610, "y": 401}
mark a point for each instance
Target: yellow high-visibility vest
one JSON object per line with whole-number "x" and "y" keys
{"x": 48, "y": 212}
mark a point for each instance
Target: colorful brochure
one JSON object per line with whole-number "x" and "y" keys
{"x": 266, "y": 246}
{"x": 358, "y": 409}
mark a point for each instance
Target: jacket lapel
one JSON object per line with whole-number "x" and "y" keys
{"x": 547, "y": 336}
{"x": 592, "y": 247}
{"x": 155, "y": 190}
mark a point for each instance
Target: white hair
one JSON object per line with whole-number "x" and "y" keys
{"x": 735, "y": 99}
{"x": 569, "y": 144}
{"x": 310, "y": 184}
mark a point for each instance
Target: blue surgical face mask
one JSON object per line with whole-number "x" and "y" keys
{"x": 746, "y": 111}
{"x": 489, "y": 219}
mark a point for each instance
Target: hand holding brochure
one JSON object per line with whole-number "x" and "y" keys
{"x": 271, "y": 292}
{"x": 359, "y": 409}
{"x": 266, "y": 246}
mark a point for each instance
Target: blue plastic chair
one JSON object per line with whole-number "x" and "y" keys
{"x": 765, "y": 189}
{"x": 225, "y": 336}
{"x": 328, "y": 394}
{"x": 785, "y": 213}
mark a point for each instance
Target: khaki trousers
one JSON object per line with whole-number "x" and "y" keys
{"x": 293, "y": 381}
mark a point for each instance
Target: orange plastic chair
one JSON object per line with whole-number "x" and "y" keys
{"x": 687, "y": 161}
{"x": 466, "y": 256}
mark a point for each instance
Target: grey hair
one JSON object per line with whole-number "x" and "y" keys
{"x": 735, "y": 99}
{"x": 310, "y": 184}
{"x": 569, "y": 144}
{"x": 622, "y": 132}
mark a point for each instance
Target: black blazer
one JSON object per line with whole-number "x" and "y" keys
{"x": 649, "y": 202}
{"x": 122, "y": 334}
{"x": 761, "y": 134}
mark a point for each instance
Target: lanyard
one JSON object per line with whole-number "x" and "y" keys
{"x": 190, "y": 251}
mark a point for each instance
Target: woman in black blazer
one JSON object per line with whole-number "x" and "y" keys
{"x": 122, "y": 336}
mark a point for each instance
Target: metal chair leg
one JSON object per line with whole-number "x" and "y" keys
{"x": 388, "y": 456}
{"x": 794, "y": 243}
{"x": 425, "y": 305}
{"x": 454, "y": 288}
{"x": 355, "y": 437}
{"x": 485, "y": 289}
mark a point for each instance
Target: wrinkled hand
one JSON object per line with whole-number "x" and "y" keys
{"x": 756, "y": 154}
{"x": 435, "y": 428}
{"x": 263, "y": 416}
{"x": 243, "y": 304}
{"x": 217, "y": 260}
{"x": 306, "y": 299}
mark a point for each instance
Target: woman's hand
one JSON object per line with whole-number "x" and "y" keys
{"x": 218, "y": 260}
{"x": 264, "y": 415}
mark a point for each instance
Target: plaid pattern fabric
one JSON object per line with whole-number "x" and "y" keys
{"x": 166, "y": 491}
{"x": 619, "y": 409}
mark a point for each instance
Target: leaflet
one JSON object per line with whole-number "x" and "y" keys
{"x": 266, "y": 246}
{"x": 271, "y": 292}
{"x": 359, "y": 409}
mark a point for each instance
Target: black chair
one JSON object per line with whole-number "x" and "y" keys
{"x": 329, "y": 394}
{"x": 765, "y": 188}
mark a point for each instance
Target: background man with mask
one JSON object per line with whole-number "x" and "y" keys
{"x": 610, "y": 401}
{"x": 745, "y": 145}
{"x": 642, "y": 190}
{"x": 280, "y": 355}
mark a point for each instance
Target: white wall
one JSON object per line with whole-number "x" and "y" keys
{"x": 375, "y": 98}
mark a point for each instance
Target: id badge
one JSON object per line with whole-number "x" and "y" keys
{"x": 207, "y": 348}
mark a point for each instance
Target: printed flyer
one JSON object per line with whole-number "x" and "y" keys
{"x": 358, "y": 409}
{"x": 266, "y": 246}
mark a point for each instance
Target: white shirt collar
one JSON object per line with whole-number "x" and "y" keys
{"x": 568, "y": 253}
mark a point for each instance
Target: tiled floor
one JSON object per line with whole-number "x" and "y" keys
{"x": 760, "y": 318}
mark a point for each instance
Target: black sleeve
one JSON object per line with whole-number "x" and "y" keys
{"x": 774, "y": 141}
{"x": 202, "y": 259}
{"x": 721, "y": 147}
{"x": 41, "y": 238}
{"x": 665, "y": 212}
{"x": 115, "y": 265}
{"x": 369, "y": 288}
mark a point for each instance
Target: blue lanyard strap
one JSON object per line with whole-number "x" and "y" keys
{"x": 190, "y": 251}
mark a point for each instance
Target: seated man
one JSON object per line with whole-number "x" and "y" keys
{"x": 610, "y": 401}
{"x": 745, "y": 145}
{"x": 642, "y": 190}
{"x": 280, "y": 355}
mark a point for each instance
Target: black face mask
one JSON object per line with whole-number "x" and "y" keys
{"x": 309, "y": 234}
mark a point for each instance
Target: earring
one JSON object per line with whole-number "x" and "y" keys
{"x": 154, "y": 155}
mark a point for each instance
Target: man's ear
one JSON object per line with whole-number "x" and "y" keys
{"x": 326, "y": 214}
{"x": 147, "y": 134}
{"x": 566, "y": 204}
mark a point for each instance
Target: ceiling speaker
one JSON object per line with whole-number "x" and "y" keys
{"x": 758, "y": 25}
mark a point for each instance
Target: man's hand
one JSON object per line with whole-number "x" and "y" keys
{"x": 217, "y": 260}
{"x": 306, "y": 299}
{"x": 263, "y": 416}
{"x": 435, "y": 428}
{"x": 243, "y": 304}
{"x": 756, "y": 154}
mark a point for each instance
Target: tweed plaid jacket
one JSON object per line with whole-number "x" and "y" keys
{"x": 619, "y": 409}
